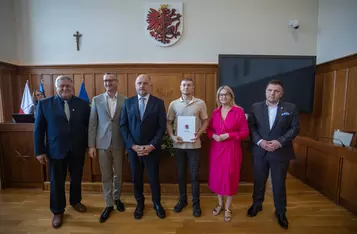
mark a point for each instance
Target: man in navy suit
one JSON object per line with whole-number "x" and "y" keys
{"x": 142, "y": 125}
{"x": 273, "y": 125}
{"x": 61, "y": 136}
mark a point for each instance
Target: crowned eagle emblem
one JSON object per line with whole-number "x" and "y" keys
{"x": 164, "y": 24}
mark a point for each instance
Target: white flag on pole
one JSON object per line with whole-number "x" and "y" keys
{"x": 26, "y": 101}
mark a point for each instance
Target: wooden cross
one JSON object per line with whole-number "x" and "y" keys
{"x": 77, "y": 36}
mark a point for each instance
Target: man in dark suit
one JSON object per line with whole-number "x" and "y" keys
{"x": 142, "y": 125}
{"x": 61, "y": 136}
{"x": 273, "y": 125}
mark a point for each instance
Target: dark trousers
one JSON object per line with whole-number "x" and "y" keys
{"x": 192, "y": 158}
{"x": 137, "y": 165}
{"x": 58, "y": 173}
{"x": 278, "y": 175}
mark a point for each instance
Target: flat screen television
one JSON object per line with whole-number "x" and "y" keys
{"x": 248, "y": 76}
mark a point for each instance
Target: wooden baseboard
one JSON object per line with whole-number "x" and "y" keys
{"x": 165, "y": 188}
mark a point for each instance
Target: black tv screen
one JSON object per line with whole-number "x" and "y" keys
{"x": 248, "y": 76}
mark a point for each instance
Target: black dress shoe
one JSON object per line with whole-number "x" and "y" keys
{"x": 105, "y": 215}
{"x": 139, "y": 211}
{"x": 197, "y": 210}
{"x": 282, "y": 220}
{"x": 120, "y": 205}
{"x": 254, "y": 210}
{"x": 179, "y": 206}
{"x": 160, "y": 212}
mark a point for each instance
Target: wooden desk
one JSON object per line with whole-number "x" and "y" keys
{"x": 23, "y": 170}
{"x": 18, "y": 164}
{"x": 330, "y": 169}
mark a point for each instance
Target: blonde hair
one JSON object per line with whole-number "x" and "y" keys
{"x": 230, "y": 91}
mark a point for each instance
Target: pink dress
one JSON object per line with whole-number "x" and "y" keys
{"x": 225, "y": 158}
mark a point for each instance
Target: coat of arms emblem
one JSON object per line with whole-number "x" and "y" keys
{"x": 164, "y": 23}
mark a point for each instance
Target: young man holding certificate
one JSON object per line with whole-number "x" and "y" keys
{"x": 190, "y": 120}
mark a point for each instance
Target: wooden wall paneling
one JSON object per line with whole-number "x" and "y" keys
{"x": 99, "y": 84}
{"x": 122, "y": 83}
{"x": 166, "y": 87}
{"x": 305, "y": 129}
{"x": 339, "y": 100}
{"x": 17, "y": 88}
{"x": 7, "y": 76}
{"x": 48, "y": 85}
{"x": 34, "y": 82}
{"x": 325, "y": 120}
{"x": 90, "y": 85}
{"x": 53, "y": 78}
{"x": 351, "y": 100}
{"x": 77, "y": 80}
{"x": 297, "y": 166}
{"x": 131, "y": 84}
{"x": 21, "y": 167}
{"x": 337, "y": 64}
{"x": 348, "y": 181}
{"x": 322, "y": 169}
{"x": 200, "y": 86}
{"x": 2, "y": 105}
{"x": 211, "y": 89}
{"x": 87, "y": 169}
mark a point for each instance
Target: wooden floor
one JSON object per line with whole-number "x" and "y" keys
{"x": 26, "y": 211}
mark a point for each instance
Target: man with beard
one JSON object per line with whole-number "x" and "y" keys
{"x": 143, "y": 125}
{"x": 104, "y": 135}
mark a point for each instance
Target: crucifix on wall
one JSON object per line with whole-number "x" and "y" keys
{"x": 77, "y": 36}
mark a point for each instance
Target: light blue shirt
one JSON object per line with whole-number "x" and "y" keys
{"x": 272, "y": 111}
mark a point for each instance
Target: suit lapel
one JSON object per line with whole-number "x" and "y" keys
{"x": 278, "y": 114}
{"x": 117, "y": 108}
{"x": 136, "y": 107}
{"x": 266, "y": 115}
{"x": 148, "y": 108}
{"x": 105, "y": 101}
{"x": 59, "y": 103}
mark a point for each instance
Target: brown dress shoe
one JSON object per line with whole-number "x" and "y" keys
{"x": 57, "y": 220}
{"x": 80, "y": 207}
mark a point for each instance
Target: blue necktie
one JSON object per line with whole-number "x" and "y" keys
{"x": 142, "y": 107}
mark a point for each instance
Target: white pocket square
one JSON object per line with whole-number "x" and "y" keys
{"x": 285, "y": 113}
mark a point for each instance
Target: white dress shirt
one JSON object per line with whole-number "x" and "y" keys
{"x": 272, "y": 111}
{"x": 145, "y": 102}
{"x": 112, "y": 103}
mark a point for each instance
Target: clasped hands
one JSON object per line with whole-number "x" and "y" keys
{"x": 220, "y": 138}
{"x": 270, "y": 146}
{"x": 178, "y": 139}
{"x": 143, "y": 150}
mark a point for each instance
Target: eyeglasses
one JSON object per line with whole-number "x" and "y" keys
{"x": 110, "y": 80}
{"x": 224, "y": 95}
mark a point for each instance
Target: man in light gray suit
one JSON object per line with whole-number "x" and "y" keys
{"x": 104, "y": 135}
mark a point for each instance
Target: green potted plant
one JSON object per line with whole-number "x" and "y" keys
{"x": 167, "y": 143}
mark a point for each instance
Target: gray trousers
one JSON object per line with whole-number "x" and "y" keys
{"x": 111, "y": 160}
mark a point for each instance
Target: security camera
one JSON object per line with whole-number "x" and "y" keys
{"x": 294, "y": 24}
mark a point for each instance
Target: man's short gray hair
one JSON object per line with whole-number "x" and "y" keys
{"x": 110, "y": 73}
{"x": 58, "y": 79}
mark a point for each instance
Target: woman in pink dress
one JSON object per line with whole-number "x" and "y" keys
{"x": 227, "y": 127}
